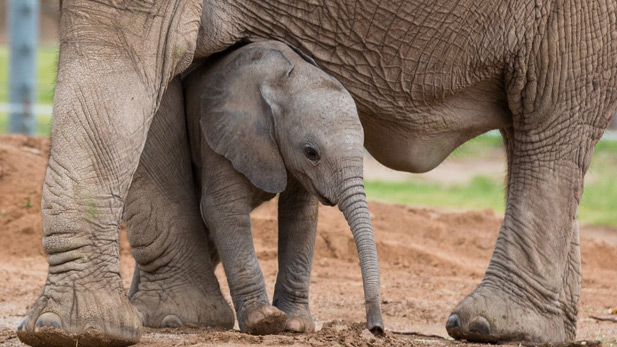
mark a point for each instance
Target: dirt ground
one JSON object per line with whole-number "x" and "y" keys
{"x": 429, "y": 261}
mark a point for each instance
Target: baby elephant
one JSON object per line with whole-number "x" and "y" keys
{"x": 264, "y": 120}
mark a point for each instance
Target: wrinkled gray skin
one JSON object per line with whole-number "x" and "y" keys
{"x": 426, "y": 77}
{"x": 262, "y": 121}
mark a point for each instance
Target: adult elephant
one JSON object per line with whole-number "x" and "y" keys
{"x": 426, "y": 78}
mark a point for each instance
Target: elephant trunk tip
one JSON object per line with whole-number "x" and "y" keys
{"x": 374, "y": 322}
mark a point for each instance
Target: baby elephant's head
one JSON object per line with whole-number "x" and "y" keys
{"x": 273, "y": 113}
{"x": 318, "y": 131}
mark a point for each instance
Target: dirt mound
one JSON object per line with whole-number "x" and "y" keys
{"x": 333, "y": 333}
{"x": 22, "y": 168}
{"x": 429, "y": 259}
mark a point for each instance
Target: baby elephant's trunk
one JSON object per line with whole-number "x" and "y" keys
{"x": 352, "y": 202}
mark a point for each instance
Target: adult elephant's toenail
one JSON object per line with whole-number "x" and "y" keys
{"x": 48, "y": 320}
{"x": 453, "y": 322}
{"x": 171, "y": 321}
{"x": 92, "y": 328}
{"x": 479, "y": 325}
{"x": 20, "y": 327}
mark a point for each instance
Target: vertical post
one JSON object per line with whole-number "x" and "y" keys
{"x": 23, "y": 21}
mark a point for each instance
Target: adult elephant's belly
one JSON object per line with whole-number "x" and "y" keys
{"x": 417, "y": 138}
{"x": 411, "y": 152}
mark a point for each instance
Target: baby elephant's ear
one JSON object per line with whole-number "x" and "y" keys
{"x": 236, "y": 120}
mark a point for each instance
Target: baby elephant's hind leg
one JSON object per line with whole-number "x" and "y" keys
{"x": 175, "y": 283}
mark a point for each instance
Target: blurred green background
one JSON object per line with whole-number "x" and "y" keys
{"x": 47, "y": 60}
{"x": 481, "y": 191}
{"x": 598, "y": 206}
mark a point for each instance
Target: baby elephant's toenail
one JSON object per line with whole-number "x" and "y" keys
{"x": 92, "y": 328}
{"x": 256, "y": 316}
{"x": 171, "y": 321}
{"x": 47, "y": 320}
{"x": 268, "y": 310}
{"x": 479, "y": 325}
{"x": 294, "y": 325}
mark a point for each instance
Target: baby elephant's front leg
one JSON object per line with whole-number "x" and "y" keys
{"x": 226, "y": 211}
{"x": 297, "y": 229}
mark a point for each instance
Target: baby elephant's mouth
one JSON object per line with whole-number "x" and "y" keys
{"x": 320, "y": 196}
{"x": 325, "y": 201}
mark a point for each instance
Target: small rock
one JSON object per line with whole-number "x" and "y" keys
{"x": 367, "y": 335}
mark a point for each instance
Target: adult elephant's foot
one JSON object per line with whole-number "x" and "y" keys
{"x": 171, "y": 304}
{"x": 174, "y": 282}
{"x": 491, "y": 315}
{"x": 264, "y": 320}
{"x": 84, "y": 315}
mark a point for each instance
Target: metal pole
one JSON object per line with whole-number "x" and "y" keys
{"x": 23, "y": 21}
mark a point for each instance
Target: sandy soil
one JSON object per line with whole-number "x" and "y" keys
{"x": 429, "y": 259}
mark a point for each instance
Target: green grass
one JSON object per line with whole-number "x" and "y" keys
{"x": 480, "y": 193}
{"x": 598, "y": 205}
{"x": 478, "y": 147}
{"x": 43, "y": 124}
{"x": 47, "y": 59}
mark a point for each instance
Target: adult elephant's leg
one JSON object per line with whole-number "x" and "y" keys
{"x": 531, "y": 287}
{"x": 561, "y": 97}
{"x": 115, "y": 61}
{"x": 176, "y": 283}
{"x": 297, "y": 230}
{"x": 571, "y": 289}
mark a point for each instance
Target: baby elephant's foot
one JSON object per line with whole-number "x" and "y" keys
{"x": 80, "y": 315}
{"x": 300, "y": 325}
{"x": 490, "y": 315}
{"x": 264, "y": 321}
{"x": 299, "y": 319}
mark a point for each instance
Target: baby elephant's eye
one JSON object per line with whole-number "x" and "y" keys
{"x": 311, "y": 153}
